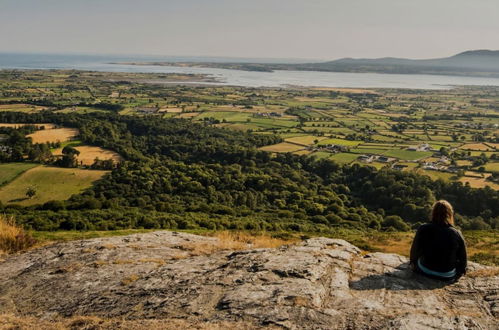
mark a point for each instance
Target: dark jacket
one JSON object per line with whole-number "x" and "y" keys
{"x": 440, "y": 247}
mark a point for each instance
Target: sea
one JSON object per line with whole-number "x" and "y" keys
{"x": 229, "y": 77}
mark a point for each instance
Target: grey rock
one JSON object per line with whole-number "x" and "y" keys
{"x": 320, "y": 283}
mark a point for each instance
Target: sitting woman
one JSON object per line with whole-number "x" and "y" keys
{"x": 438, "y": 250}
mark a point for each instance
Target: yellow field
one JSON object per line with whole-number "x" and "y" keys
{"x": 50, "y": 183}
{"x": 493, "y": 145}
{"x": 47, "y": 126}
{"x": 282, "y": 147}
{"x": 476, "y": 182}
{"x": 304, "y": 140}
{"x": 188, "y": 114}
{"x": 54, "y": 135}
{"x": 475, "y": 146}
{"x": 88, "y": 154}
{"x": 21, "y": 107}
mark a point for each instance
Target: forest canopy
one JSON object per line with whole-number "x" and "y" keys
{"x": 186, "y": 175}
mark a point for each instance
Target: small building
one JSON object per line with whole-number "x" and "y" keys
{"x": 399, "y": 166}
{"x": 146, "y": 110}
{"x": 421, "y": 147}
{"x": 366, "y": 158}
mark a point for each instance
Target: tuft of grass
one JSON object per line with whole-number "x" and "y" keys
{"x": 130, "y": 279}
{"x": 13, "y": 238}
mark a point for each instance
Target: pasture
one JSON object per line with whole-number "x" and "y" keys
{"x": 344, "y": 158}
{"x": 304, "y": 140}
{"x": 88, "y": 154}
{"x": 21, "y": 108}
{"x": 53, "y": 135}
{"x": 50, "y": 183}
{"x": 492, "y": 167}
{"x": 282, "y": 147}
{"x": 10, "y": 171}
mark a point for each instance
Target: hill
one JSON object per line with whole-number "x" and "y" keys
{"x": 171, "y": 280}
{"x": 469, "y": 62}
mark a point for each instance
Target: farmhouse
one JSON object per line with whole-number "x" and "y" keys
{"x": 421, "y": 147}
{"x": 147, "y": 110}
{"x": 268, "y": 114}
{"x": 336, "y": 148}
{"x": 399, "y": 166}
{"x": 366, "y": 158}
{"x": 384, "y": 159}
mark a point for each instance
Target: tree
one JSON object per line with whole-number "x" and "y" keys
{"x": 31, "y": 192}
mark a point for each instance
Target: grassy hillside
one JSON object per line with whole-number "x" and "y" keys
{"x": 10, "y": 171}
{"x": 50, "y": 183}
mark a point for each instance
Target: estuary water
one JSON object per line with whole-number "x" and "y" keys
{"x": 238, "y": 77}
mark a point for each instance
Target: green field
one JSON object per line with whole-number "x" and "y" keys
{"x": 10, "y": 171}
{"x": 50, "y": 183}
{"x": 304, "y": 140}
{"x": 344, "y": 158}
{"x": 406, "y": 154}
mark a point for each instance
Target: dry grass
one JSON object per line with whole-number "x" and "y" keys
{"x": 9, "y": 321}
{"x": 88, "y": 154}
{"x": 488, "y": 272}
{"x": 13, "y": 238}
{"x": 475, "y": 146}
{"x": 475, "y": 182}
{"x": 99, "y": 263}
{"x": 54, "y": 135}
{"x": 188, "y": 114}
{"x": 123, "y": 262}
{"x": 230, "y": 241}
{"x": 282, "y": 147}
{"x": 130, "y": 279}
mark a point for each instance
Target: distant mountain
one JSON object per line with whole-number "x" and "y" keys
{"x": 479, "y": 62}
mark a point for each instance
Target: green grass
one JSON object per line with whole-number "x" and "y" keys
{"x": 50, "y": 183}
{"x": 344, "y": 158}
{"x": 435, "y": 175}
{"x": 72, "y": 143}
{"x": 407, "y": 155}
{"x": 321, "y": 154}
{"x": 304, "y": 140}
{"x": 10, "y": 171}
{"x": 76, "y": 235}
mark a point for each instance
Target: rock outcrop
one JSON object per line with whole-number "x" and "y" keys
{"x": 318, "y": 284}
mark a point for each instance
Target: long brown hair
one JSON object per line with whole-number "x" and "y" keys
{"x": 442, "y": 213}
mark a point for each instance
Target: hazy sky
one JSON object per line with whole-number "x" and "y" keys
{"x": 323, "y": 29}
